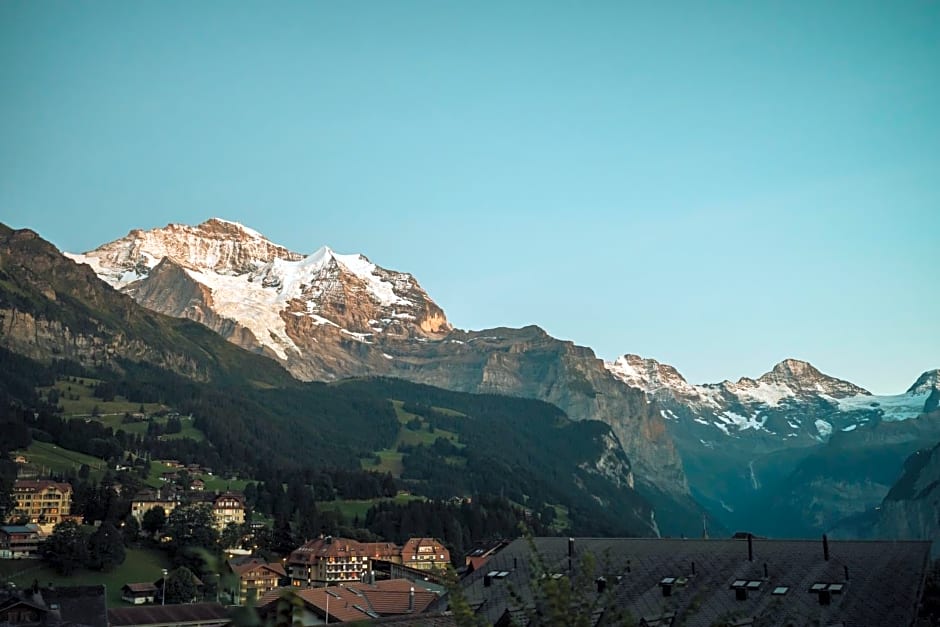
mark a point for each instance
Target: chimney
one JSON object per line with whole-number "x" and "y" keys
{"x": 766, "y": 573}
{"x": 667, "y": 590}
{"x": 825, "y": 597}
{"x": 601, "y": 584}
{"x": 487, "y": 580}
{"x": 846, "y": 568}
{"x": 825, "y": 549}
{"x": 693, "y": 569}
{"x": 750, "y": 547}
{"x": 411, "y": 600}
{"x": 740, "y": 594}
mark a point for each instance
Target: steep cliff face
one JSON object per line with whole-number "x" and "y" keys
{"x": 911, "y": 509}
{"x": 528, "y": 362}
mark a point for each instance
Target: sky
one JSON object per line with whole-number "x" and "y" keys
{"x": 717, "y": 185}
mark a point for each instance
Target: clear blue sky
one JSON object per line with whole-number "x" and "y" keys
{"x": 717, "y": 185}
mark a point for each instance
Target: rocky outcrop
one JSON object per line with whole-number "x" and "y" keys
{"x": 52, "y": 308}
{"x": 911, "y": 510}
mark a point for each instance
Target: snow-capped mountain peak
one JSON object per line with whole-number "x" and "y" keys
{"x": 801, "y": 377}
{"x": 926, "y": 383}
{"x": 216, "y": 245}
{"x": 649, "y": 375}
{"x": 258, "y": 293}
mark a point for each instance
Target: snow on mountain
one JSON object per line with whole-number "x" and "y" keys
{"x": 257, "y": 284}
{"x": 651, "y": 376}
{"x": 926, "y": 383}
{"x": 792, "y": 400}
{"x": 216, "y": 245}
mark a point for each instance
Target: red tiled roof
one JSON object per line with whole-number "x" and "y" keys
{"x": 355, "y": 602}
{"x": 32, "y": 485}
{"x": 244, "y": 567}
{"x": 411, "y": 550}
{"x": 327, "y": 547}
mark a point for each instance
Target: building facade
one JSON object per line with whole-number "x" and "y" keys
{"x": 19, "y": 541}
{"x": 326, "y": 561}
{"x": 148, "y": 500}
{"x": 425, "y": 554}
{"x": 331, "y": 560}
{"x": 42, "y": 502}
{"x": 255, "y": 579}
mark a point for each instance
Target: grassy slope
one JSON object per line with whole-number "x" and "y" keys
{"x": 350, "y": 508}
{"x": 391, "y": 457}
{"x": 111, "y": 413}
{"x": 141, "y": 565}
{"x": 57, "y": 459}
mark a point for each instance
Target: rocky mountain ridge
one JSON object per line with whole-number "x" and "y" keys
{"x": 793, "y": 440}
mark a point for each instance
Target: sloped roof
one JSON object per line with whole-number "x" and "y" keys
{"x": 412, "y": 548}
{"x": 356, "y": 602}
{"x": 168, "y": 614}
{"x": 32, "y": 485}
{"x": 140, "y": 588}
{"x": 242, "y": 567}
{"x": 883, "y": 587}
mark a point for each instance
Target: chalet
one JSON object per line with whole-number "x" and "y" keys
{"x": 228, "y": 508}
{"x": 255, "y": 578}
{"x": 197, "y": 484}
{"x": 42, "y": 501}
{"x": 20, "y": 541}
{"x": 425, "y": 554}
{"x": 139, "y": 593}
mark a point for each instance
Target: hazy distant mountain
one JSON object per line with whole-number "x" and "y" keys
{"x": 792, "y": 452}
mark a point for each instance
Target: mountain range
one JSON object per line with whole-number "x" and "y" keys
{"x": 793, "y": 437}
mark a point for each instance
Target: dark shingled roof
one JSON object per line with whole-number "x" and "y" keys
{"x": 76, "y": 605}
{"x": 884, "y": 584}
{"x": 210, "y": 613}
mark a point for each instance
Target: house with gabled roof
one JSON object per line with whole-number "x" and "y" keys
{"x": 425, "y": 554}
{"x": 255, "y": 578}
{"x": 139, "y": 593}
